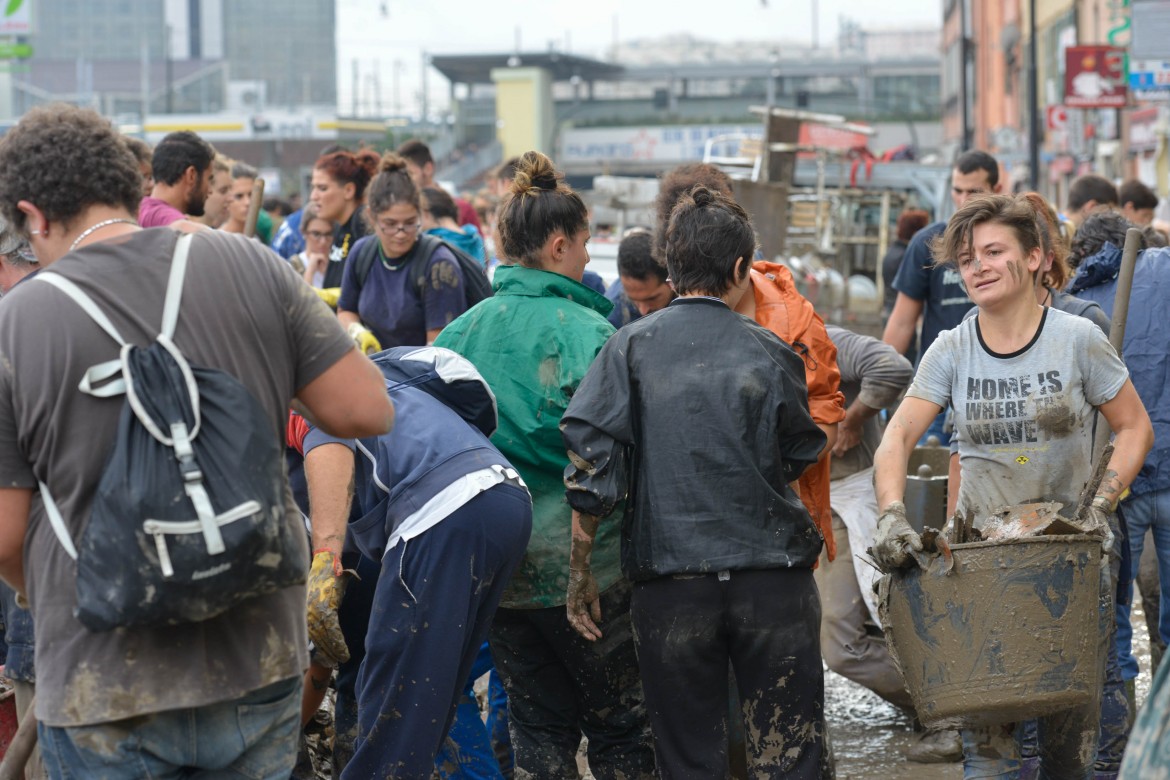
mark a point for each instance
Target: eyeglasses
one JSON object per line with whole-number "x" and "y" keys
{"x": 390, "y": 228}
{"x": 320, "y": 235}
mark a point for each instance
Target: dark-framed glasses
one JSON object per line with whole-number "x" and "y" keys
{"x": 390, "y": 228}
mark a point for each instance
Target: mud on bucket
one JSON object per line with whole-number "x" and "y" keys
{"x": 1009, "y": 633}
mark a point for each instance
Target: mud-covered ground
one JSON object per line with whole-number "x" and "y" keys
{"x": 869, "y": 735}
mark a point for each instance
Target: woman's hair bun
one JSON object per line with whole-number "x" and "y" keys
{"x": 702, "y": 196}
{"x": 535, "y": 171}
{"x": 392, "y": 162}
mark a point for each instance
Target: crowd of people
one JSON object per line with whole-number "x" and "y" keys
{"x": 609, "y": 502}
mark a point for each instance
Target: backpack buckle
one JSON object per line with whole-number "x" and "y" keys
{"x": 185, "y": 453}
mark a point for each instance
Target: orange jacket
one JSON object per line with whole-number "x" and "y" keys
{"x": 783, "y": 310}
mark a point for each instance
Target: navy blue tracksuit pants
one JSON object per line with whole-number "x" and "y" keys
{"x": 432, "y": 607}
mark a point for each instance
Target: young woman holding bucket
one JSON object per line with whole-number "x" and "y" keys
{"x": 1025, "y": 382}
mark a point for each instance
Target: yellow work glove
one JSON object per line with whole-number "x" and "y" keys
{"x": 326, "y": 587}
{"x": 363, "y": 338}
{"x": 329, "y": 294}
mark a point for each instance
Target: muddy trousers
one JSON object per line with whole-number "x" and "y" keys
{"x": 765, "y": 623}
{"x": 561, "y": 686}
{"x": 432, "y": 607}
{"x": 253, "y": 737}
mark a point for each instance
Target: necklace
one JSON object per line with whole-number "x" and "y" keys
{"x": 1047, "y": 295}
{"x": 94, "y": 228}
{"x": 402, "y": 260}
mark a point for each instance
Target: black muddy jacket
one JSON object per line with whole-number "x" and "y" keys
{"x": 701, "y": 415}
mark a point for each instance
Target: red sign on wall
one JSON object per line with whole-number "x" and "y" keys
{"x": 1094, "y": 77}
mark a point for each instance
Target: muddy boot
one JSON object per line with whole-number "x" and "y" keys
{"x": 936, "y": 746}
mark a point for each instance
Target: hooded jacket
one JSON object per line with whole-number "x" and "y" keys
{"x": 533, "y": 341}
{"x": 1146, "y": 349}
{"x": 783, "y": 310}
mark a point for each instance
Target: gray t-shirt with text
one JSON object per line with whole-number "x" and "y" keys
{"x": 243, "y": 311}
{"x": 1024, "y": 420}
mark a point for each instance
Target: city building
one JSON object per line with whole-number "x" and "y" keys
{"x": 164, "y": 56}
{"x": 656, "y": 102}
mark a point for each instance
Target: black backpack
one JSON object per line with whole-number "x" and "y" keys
{"x": 475, "y": 282}
{"x": 188, "y": 519}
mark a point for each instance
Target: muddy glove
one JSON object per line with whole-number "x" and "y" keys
{"x": 895, "y": 541}
{"x": 326, "y": 587}
{"x": 329, "y": 294}
{"x": 1099, "y": 519}
{"x": 365, "y": 340}
{"x": 584, "y": 603}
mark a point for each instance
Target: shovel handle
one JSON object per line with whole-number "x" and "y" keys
{"x": 22, "y": 746}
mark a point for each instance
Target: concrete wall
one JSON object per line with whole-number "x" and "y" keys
{"x": 524, "y": 110}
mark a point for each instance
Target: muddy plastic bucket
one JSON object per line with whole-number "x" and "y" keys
{"x": 1009, "y": 633}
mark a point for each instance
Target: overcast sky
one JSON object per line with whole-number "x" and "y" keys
{"x": 408, "y": 27}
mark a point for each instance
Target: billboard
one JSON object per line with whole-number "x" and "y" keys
{"x": 1094, "y": 77}
{"x": 16, "y": 18}
{"x": 671, "y": 144}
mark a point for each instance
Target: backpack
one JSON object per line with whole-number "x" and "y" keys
{"x": 475, "y": 282}
{"x": 188, "y": 519}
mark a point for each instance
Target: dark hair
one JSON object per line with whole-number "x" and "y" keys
{"x": 350, "y": 168}
{"x": 416, "y": 152}
{"x": 707, "y": 235}
{"x": 310, "y": 213}
{"x": 539, "y": 204}
{"x": 1138, "y": 194}
{"x": 975, "y": 160}
{"x": 674, "y": 185}
{"x": 1051, "y": 240}
{"x": 64, "y": 159}
{"x": 1012, "y": 211}
{"x": 392, "y": 186}
{"x": 1099, "y": 229}
{"x": 176, "y": 153}
{"x": 910, "y": 222}
{"x": 439, "y": 204}
{"x": 1091, "y": 187}
{"x": 279, "y": 205}
{"x": 241, "y": 170}
{"x": 507, "y": 169}
{"x": 140, "y": 149}
{"x": 1154, "y": 238}
{"x": 636, "y": 259}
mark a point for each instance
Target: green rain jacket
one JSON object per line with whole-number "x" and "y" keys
{"x": 533, "y": 341}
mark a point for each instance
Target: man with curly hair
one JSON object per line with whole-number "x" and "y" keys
{"x": 126, "y": 703}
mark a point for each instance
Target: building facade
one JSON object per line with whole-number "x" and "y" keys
{"x": 159, "y": 56}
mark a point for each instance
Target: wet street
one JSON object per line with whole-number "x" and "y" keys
{"x": 870, "y": 735}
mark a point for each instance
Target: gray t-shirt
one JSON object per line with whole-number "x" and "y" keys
{"x": 1024, "y": 420}
{"x": 243, "y": 311}
{"x": 874, "y": 373}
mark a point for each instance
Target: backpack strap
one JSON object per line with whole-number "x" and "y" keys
{"x": 174, "y": 296}
{"x": 427, "y": 246}
{"x": 84, "y": 301}
{"x": 56, "y": 521}
{"x": 101, "y": 372}
{"x": 364, "y": 260}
